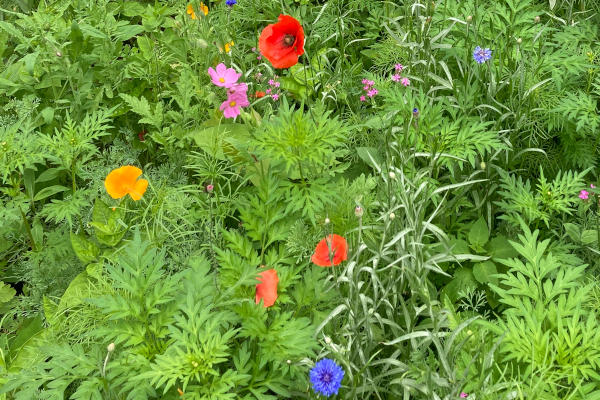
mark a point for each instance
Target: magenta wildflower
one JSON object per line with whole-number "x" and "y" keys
{"x": 363, "y": 98}
{"x": 463, "y": 395}
{"x": 584, "y": 195}
{"x": 396, "y": 78}
{"x": 592, "y": 186}
{"x": 223, "y": 76}
{"x": 365, "y": 81}
{"x": 370, "y": 83}
{"x": 268, "y": 91}
{"x": 209, "y": 188}
{"x": 372, "y": 92}
{"x": 398, "y": 67}
{"x": 275, "y": 97}
{"x": 405, "y": 81}
{"x": 271, "y": 82}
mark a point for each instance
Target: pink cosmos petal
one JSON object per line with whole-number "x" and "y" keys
{"x": 223, "y": 76}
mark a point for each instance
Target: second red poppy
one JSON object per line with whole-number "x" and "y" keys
{"x": 339, "y": 251}
{"x": 283, "y": 42}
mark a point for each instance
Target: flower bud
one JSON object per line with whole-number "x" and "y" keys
{"x": 327, "y": 339}
{"x": 392, "y": 216}
{"x": 289, "y": 362}
{"x": 482, "y": 165}
{"x": 358, "y": 211}
{"x": 58, "y": 54}
{"x": 110, "y": 347}
{"x": 195, "y": 364}
{"x": 210, "y": 188}
{"x": 519, "y": 41}
{"x": 469, "y": 18}
{"x": 327, "y": 221}
{"x": 537, "y": 19}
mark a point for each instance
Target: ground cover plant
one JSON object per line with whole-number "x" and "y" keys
{"x": 260, "y": 199}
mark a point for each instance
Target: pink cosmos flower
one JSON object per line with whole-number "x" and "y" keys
{"x": 398, "y": 67}
{"x": 238, "y": 88}
{"x": 372, "y": 92}
{"x": 223, "y": 76}
{"x": 396, "y": 77}
{"x": 363, "y": 98}
{"x": 584, "y": 195}
{"x": 275, "y": 97}
{"x": 231, "y": 106}
{"x": 405, "y": 81}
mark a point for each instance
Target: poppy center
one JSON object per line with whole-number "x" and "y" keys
{"x": 289, "y": 40}
{"x": 222, "y": 80}
{"x": 232, "y": 104}
{"x": 326, "y": 377}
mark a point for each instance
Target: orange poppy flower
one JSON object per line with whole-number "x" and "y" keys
{"x": 282, "y": 43}
{"x": 339, "y": 250}
{"x": 259, "y": 94}
{"x": 124, "y": 181}
{"x": 190, "y": 11}
{"x": 267, "y": 289}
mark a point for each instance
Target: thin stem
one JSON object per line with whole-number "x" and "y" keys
{"x": 28, "y": 228}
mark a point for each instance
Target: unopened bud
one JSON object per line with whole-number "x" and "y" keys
{"x": 195, "y": 364}
{"x": 519, "y": 41}
{"x": 110, "y": 347}
{"x": 358, "y": 211}
{"x": 482, "y": 165}
{"x": 327, "y": 339}
{"x": 327, "y": 221}
{"x": 210, "y": 188}
{"x": 392, "y": 175}
{"x": 58, "y": 54}
{"x": 289, "y": 362}
{"x": 537, "y": 19}
{"x": 469, "y": 18}
{"x": 469, "y": 332}
{"x": 392, "y": 216}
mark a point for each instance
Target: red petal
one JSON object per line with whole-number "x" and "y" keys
{"x": 271, "y": 42}
{"x": 267, "y": 289}
{"x": 339, "y": 248}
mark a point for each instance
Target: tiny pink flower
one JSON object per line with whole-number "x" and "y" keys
{"x": 405, "y": 81}
{"x": 259, "y": 57}
{"x": 592, "y": 186}
{"x": 275, "y": 97}
{"x": 365, "y": 81}
{"x": 366, "y": 87}
{"x": 254, "y": 49}
{"x": 396, "y": 78}
{"x": 209, "y": 188}
{"x": 271, "y": 82}
{"x": 370, "y": 83}
{"x": 398, "y": 67}
{"x": 277, "y": 84}
{"x": 363, "y": 98}
{"x": 231, "y": 106}
{"x": 372, "y": 92}
{"x": 463, "y": 395}
{"x": 223, "y": 76}
{"x": 268, "y": 91}
{"x": 584, "y": 195}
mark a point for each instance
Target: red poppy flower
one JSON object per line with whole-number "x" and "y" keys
{"x": 259, "y": 94}
{"x": 282, "y": 43}
{"x": 339, "y": 250}
{"x": 267, "y": 289}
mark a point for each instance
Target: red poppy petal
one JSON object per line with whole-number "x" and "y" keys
{"x": 267, "y": 288}
{"x": 272, "y": 46}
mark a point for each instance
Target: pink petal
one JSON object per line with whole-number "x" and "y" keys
{"x": 221, "y": 68}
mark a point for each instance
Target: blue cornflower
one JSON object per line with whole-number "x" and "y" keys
{"x": 326, "y": 377}
{"x": 231, "y": 3}
{"x": 481, "y": 55}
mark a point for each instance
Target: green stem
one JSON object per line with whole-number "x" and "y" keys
{"x": 28, "y": 228}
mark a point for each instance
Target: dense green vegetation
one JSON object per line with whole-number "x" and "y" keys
{"x": 405, "y": 208}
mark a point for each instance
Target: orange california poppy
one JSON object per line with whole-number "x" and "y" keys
{"x": 190, "y": 11}
{"x": 282, "y": 43}
{"x": 267, "y": 288}
{"x": 339, "y": 250}
{"x": 124, "y": 181}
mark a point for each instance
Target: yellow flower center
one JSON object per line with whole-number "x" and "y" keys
{"x": 222, "y": 80}
{"x": 232, "y": 104}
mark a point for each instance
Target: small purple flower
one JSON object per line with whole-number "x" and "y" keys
{"x": 481, "y": 55}
{"x": 416, "y": 112}
{"x": 584, "y": 195}
{"x": 370, "y": 83}
{"x": 363, "y": 98}
{"x": 231, "y": 3}
{"x": 365, "y": 81}
{"x": 398, "y": 67}
{"x": 271, "y": 82}
{"x": 268, "y": 91}
{"x": 366, "y": 87}
{"x": 326, "y": 377}
{"x": 373, "y": 92}
{"x": 396, "y": 78}
{"x": 405, "y": 81}
{"x": 275, "y": 96}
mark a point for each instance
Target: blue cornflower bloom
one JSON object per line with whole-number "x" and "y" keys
{"x": 481, "y": 55}
{"x": 326, "y": 377}
{"x": 231, "y": 3}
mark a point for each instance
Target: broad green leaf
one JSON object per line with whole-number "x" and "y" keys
{"x": 479, "y": 234}
{"x": 484, "y": 272}
{"x": 500, "y": 247}
{"x": 462, "y": 280}
{"x": 86, "y": 250}
{"x": 49, "y": 191}
{"x": 7, "y": 292}
{"x": 589, "y": 236}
